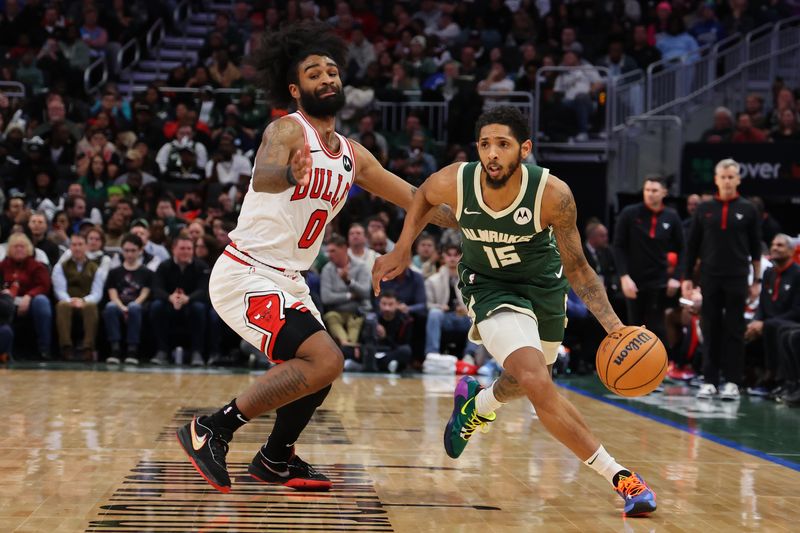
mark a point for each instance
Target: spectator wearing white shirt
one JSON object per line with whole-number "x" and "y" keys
{"x": 360, "y": 53}
{"x": 577, "y": 86}
{"x": 226, "y": 165}
{"x": 357, "y": 246}
{"x": 170, "y": 152}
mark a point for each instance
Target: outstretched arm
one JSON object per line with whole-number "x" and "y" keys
{"x": 559, "y": 211}
{"x": 284, "y": 158}
{"x": 439, "y": 188}
{"x": 372, "y": 177}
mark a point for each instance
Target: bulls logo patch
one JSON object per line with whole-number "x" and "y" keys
{"x": 348, "y": 163}
{"x": 523, "y": 215}
{"x": 264, "y": 312}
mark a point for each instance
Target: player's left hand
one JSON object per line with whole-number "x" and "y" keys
{"x": 388, "y": 267}
{"x": 301, "y": 165}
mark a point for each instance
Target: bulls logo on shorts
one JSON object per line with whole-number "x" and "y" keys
{"x": 266, "y": 312}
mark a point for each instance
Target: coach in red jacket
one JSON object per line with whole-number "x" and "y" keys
{"x": 27, "y": 281}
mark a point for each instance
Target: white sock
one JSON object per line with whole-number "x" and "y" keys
{"x": 486, "y": 403}
{"x": 605, "y": 465}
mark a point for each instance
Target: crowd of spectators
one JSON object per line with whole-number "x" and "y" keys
{"x": 757, "y": 123}
{"x": 115, "y": 208}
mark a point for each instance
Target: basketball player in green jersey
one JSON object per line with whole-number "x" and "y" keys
{"x": 520, "y": 248}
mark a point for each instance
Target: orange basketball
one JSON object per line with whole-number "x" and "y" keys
{"x": 631, "y": 361}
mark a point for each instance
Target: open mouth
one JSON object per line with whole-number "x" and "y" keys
{"x": 494, "y": 170}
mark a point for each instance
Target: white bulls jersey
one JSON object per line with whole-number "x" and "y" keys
{"x": 285, "y": 229}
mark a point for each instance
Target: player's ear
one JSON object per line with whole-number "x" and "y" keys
{"x": 526, "y": 148}
{"x": 294, "y": 90}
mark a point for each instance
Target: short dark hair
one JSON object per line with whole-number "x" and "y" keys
{"x": 133, "y": 239}
{"x": 387, "y": 294}
{"x": 451, "y": 246}
{"x": 282, "y": 51}
{"x": 507, "y": 116}
{"x": 337, "y": 240}
{"x": 656, "y": 178}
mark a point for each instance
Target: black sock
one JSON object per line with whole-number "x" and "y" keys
{"x": 290, "y": 421}
{"x": 115, "y": 347}
{"x": 228, "y": 419}
{"x": 621, "y": 473}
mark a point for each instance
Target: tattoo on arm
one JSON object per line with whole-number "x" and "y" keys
{"x": 271, "y": 170}
{"x": 581, "y": 276}
{"x": 280, "y": 389}
{"x": 442, "y": 215}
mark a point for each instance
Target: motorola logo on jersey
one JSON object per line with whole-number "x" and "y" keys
{"x": 523, "y": 216}
{"x": 322, "y": 185}
{"x": 347, "y": 163}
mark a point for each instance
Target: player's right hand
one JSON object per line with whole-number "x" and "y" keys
{"x": 301, "y": 164}
{"x": 388, "y": 267}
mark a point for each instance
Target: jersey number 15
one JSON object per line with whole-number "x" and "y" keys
{"x": 501, "y": 257}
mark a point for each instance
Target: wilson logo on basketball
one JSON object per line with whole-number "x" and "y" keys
{"x": 632, "y": 346}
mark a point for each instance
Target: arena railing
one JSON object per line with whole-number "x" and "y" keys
{"x": 12, "y": 89}
{"x": 645, "y": 145}
{"x": 95, "y": 75}
{"x": 626, "y": 97}
{"x": 128, "y": 56}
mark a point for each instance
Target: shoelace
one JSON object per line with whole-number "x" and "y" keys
{"x": 475, "y": 421}
{"x": 219, "y": 449}
{"x": 296, "y": 462}
{"x": 631, "y": 486}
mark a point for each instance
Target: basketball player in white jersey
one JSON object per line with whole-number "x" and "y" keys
{"x": 302, "y": 175}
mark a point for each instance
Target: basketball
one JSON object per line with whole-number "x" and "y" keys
{"x": 631, "y": 361}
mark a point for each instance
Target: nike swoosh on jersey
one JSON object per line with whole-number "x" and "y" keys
{"x": 468, "y": 212}
{"x": 197, "y": 442}
{"x": 560, "y": 271}
{"x": 314, "y": 151}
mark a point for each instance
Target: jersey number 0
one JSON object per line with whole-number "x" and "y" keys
{"x": 316, "y": 223}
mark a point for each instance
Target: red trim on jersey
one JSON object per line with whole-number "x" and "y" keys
{"x": 352, "y": 153}
{"x": 226, "y": 252}
{"x": 232, "y": 245}
{"x": 321, "y": 143}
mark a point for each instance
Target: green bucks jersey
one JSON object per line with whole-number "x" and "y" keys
{"x": 509, "y": 246}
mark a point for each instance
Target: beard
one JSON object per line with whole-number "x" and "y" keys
{"x": 500, "y": 182}
{"x": 322, "y": 107}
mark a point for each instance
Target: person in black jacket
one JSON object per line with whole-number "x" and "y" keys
{"x": 778, "y": 311}
{"x": 601, "y": 258}
{"x": 393, "y": 335}
{"x": 180, "y": 294}
{"x": 726, "y": 237}
{"x": 645, "y": 233}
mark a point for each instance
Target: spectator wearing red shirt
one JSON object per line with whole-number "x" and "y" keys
{"x": 746, "y": 132}
{"x": 27, "y": 281}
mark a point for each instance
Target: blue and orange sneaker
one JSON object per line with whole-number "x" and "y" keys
{"x": 640, "y": 500}
{"x": 464, "y": 420}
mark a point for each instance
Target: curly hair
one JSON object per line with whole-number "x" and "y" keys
{"x": 281, "y": 52}
{"x": 507, "y": 116}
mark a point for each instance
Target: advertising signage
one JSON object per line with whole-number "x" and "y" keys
{"x": 768, "y": 169}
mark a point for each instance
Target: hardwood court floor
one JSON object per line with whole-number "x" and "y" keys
{"x": 94, "y": 451}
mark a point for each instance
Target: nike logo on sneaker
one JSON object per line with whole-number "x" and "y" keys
{"x": 465, "y": 406}
{"x": 285, "y": 473}
{"x": 197, "y": 442}
{"x": 468, "y": 212}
